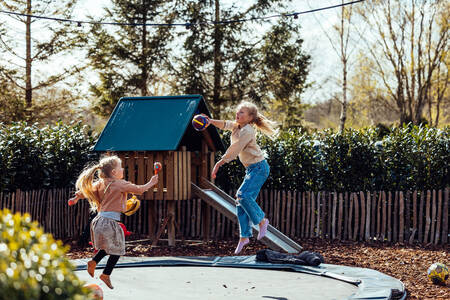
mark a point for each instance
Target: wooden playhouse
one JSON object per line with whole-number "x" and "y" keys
{"x": 143, "y": 130}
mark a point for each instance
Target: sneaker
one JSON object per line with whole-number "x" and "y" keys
{"x": 241, "y": 245}
{"x": 106, "y": 280}
{"x": 263, "y": 229}
{"x": 91, "y": 267}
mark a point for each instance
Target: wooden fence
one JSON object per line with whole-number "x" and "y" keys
{"x": 406, "y": 217}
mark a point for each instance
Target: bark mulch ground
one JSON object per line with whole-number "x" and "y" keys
{"x": 408, "y": 263}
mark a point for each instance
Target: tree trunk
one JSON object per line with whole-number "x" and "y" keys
{"x": 28, "y": 88}
{"x": 144, "y": 78}
{"x": 217, "y": 62}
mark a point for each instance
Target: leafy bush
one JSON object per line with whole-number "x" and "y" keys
{"x": 52, "y": 156}
{"x": 32, "y": 263}
{"x": 409, "y": 157}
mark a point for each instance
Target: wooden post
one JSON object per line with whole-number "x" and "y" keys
{"x": 308, "y": 213}
{"x": 439, "y": 216}
{"x": 396, "y": 217}
{"x": 303, "y": 229}
{"x": 356, "y": 201}
{"x": 368, "y": 214}
{"x": 340, "y": 219}
{"x": 313, "y": 214}
{"x": 363, "y": 216}
{"x": 318, "y": 216}
{"x": 373, "y": 224}
{"x": 383, "y": 221}
{"x": 171, "y": 223}
{"x": 420, "y": 216}
{"x": 427, "y": 218}
{"x": 378, "y": 235}
{"x": 333, "y": 221}
{"x": 330, "y": 214}
{"x": 350, "y": 216}
{"x": 345, "y": 216}
{"x": 401, "y": 222}
{"x": 414, "y": 217}
{"x": 283, "y": 211}
{"x": 445, "y": 217}
{"x": 407, "y": 215}
{"x": 433, "y": 216}
{"x": 389, "y": 217}
{"x": 288, "y": 213}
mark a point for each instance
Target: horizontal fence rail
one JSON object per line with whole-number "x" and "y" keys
{"x": 384, "y": 216}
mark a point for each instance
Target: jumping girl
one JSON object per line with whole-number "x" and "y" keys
{"x": 243, "y": 144}
{"x": 107, "y": 194}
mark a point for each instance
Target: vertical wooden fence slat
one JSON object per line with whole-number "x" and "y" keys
{"x": 445, "y": 217}
{"x": 298, "y": 225}
{"x": 396, "y": 215}
{"x": 427, "y": 218}
{"x": 433, "y": 215}
{"x": 330, "y": 214}
{"x": 323, "y": 227}
{"x": 438, "y": 217}
{"x": 368, "y": 215}
{"x": 283, "y": 212}
{"x": 384, "y": 217}
{"x": 363, "y": 215}
{"x": 373, "y": 216}
{"x": 288, "y": 213}
{"x": 313, "y": 215}
{"x": 308, "y": 213}
{"x": 421, "y": 216}
{"x": 340, "y": 219}
{"x": 333, "y": 221}
{"x": 407, "y": 216}
{"x": 303, "y": 229}
{"x": 356, "y": 204}
{"x": 414, "y": 217}
{"x": 389, "y": 217}
{"x": 345, "y": 216}
{"x": 401, "y": 221}
{"x": 349, "y": 216}
{"x": 317, "y": 232}
{"x": 293, "y": 196}
{"x": 379, "y": 205}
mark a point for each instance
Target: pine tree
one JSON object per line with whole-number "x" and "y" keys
{"x": 129, "y": 58}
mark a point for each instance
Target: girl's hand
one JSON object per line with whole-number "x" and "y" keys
{"x": 207, "y": 119}
{"x": 216, "y": 168}
{"x": 154, "y": 180}
{"x": 73, "y": 201}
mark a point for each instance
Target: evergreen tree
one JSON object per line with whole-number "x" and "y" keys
{"x": 129, "y": 58}
{"x": 258, "y": 60}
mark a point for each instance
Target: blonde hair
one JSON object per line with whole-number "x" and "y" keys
{"x": 85, "y": 182}
{"x": 264, "y": 125}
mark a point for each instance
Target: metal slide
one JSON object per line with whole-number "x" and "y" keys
{"x": 225, "y": 204}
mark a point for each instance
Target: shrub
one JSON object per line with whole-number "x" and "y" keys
{"x": 52, "y": 156}
{"x": 32, "y": 263}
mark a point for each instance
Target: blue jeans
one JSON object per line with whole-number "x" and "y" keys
{"x": 246, "y": 207}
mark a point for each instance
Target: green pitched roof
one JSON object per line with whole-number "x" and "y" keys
{"x": 158, "y": 123}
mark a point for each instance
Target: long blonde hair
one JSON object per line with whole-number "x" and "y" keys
{"x": 264, "y": 125}
{"x": 85, "y": 182}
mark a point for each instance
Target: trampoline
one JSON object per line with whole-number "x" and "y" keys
{"x": 239, "y": 277}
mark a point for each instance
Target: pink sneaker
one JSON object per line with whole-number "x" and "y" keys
{"x": 241, "y": 245}
{"x": 263, "y": 229}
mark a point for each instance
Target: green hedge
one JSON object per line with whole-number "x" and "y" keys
{"x": 33, "y": 157}
{"x": 405, "y": 158}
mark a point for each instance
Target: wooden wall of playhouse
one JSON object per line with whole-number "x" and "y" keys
{"x": 179, "y": 169}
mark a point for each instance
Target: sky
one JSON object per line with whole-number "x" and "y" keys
{"x": 324, "y": 64}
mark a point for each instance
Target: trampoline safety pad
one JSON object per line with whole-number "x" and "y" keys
{"x": 238, "y": 277}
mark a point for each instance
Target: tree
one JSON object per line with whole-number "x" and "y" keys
{"x": 408, "y": 48}
{"x": 227, "y": 62}
{"x": 129, "y": 58}
{"x": 43, "y": 41}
